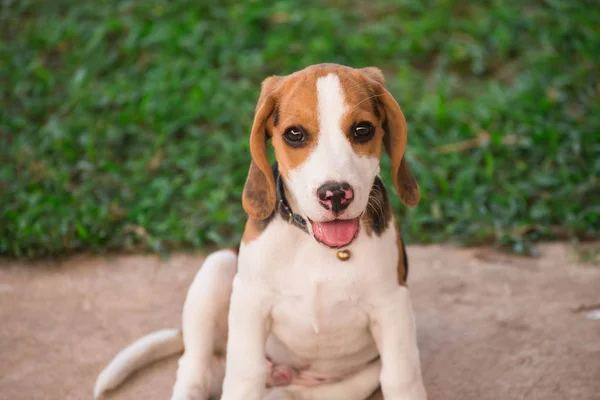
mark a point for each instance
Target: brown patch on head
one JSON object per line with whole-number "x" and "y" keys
{"x": 363, "y": 106}
{"x": 373, "y": 74}
{"x": 297, "y": 106}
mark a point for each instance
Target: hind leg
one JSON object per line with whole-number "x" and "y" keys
{"x": 200, "y": 372}
{"x": 358, "y": 386}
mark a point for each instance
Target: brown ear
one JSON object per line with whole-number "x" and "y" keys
{"x": 395, "y": 140}
{"x": 374, "y": 74}
{"x": 258, "y": 197}
{"x": 395, "y": 144}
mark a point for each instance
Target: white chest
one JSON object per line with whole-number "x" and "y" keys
{"x": 324, "y": 321}
{"x": 318, "y": 303}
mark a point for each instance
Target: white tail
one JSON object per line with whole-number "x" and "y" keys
{"x": 143, "y": 351}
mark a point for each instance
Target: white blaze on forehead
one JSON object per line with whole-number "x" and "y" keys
{"x": 333, "y": 158}
{"x": 333, "y": 148}
{"x": 331, "y": 104}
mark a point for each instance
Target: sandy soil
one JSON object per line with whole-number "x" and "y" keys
{"x": 490, "y": 326}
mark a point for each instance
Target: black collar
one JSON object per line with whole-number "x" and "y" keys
{"x": 285, "y": 210}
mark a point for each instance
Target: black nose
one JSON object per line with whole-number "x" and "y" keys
{"x": 335, "y": 196}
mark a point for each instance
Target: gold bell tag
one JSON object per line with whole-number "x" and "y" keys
{"x": 343, "y": 255}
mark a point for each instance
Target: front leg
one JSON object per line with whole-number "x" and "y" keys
{"x": 393, "y": 329}
{"x": 245, "y": 373}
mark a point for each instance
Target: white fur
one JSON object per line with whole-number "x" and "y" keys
{"x": 333, "y": 159}
{"x": 143, "y": 351}
{"x": 357, "y": 306}
{"x": 205, "y": 328}
{"x": 393, "y": 328}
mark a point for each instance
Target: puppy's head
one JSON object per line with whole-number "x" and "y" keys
{"x": 328, "y": 124}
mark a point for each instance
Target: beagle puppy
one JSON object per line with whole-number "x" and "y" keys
{"x": 314, "y": 303}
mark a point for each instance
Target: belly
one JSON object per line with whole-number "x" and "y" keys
{"x": 320, "y": 332}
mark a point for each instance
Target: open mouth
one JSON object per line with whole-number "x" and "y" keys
{"x": 336, "y": 233}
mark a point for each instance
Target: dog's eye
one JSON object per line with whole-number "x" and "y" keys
{"x": 363, "y": 131}
{"x": 295, "y": 136}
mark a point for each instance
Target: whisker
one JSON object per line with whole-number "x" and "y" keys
{"x": 375, "y": 204}
{"x": 368, "y": 98}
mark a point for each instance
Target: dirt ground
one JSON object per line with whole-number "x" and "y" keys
{"x": 490, "y": 326}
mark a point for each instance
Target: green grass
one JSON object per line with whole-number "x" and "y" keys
{"x": 124, "y": 124}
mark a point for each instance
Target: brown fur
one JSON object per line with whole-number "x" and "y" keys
{"x": 378, "y": 395}
{"x": 374, "y": 74}
{"x": 254, "y": 227}
{"x": 410, "y": 194}
{"x": 402, "y": 269}
{"x": 395, "y": 143}
{"x": 258, "y": 197}
{"x": 297, "y": 105}
{"x": 362, "y": 107}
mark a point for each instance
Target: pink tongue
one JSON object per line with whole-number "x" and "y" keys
{"x": 336, "y": 233}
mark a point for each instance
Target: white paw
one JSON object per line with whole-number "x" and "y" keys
{"x": 194, "y": 380}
